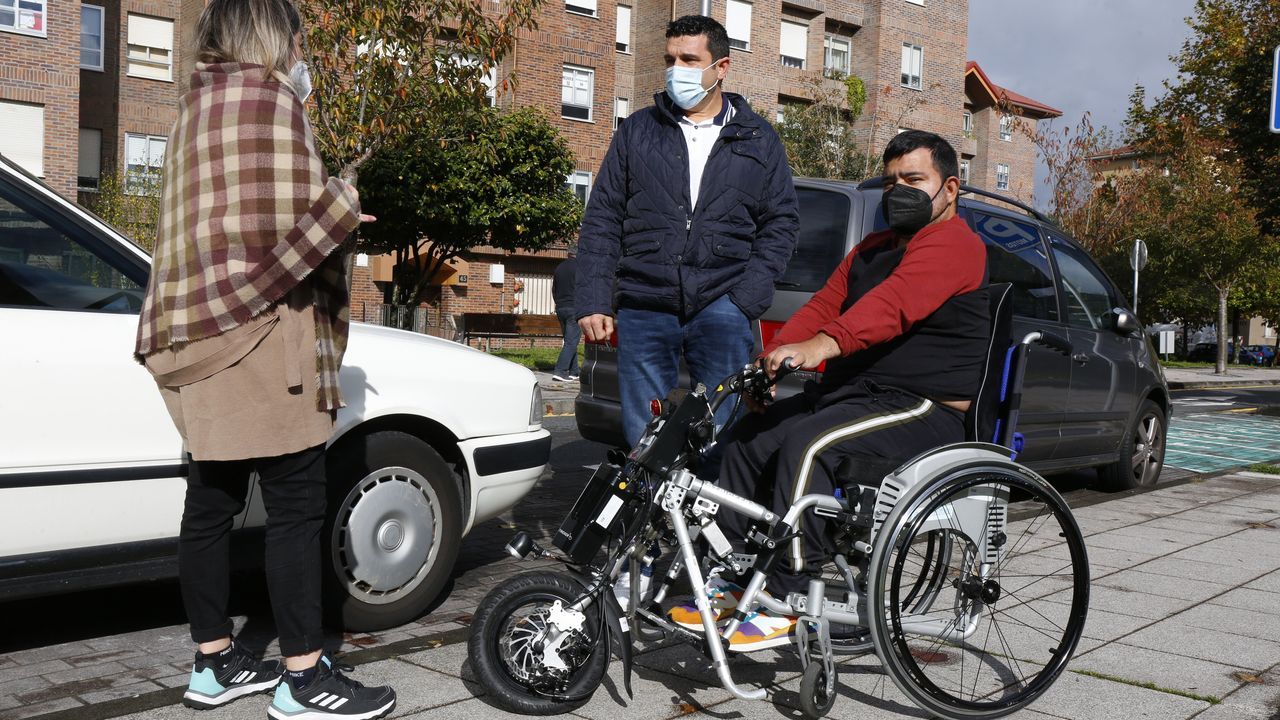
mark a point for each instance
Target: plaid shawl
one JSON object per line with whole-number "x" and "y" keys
{"x": 247, "y": 214}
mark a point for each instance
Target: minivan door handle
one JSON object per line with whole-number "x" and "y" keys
{"x": 1080, "y": 358}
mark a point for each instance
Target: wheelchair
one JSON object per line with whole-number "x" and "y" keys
{"x": 962, "y": 570}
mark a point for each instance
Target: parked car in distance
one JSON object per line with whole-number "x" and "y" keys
{"x": 1107, "y": 406}
{"x": 1208, "y": 352}
{"x": 1257, "y": 355}
{"x": 435, "y": 438}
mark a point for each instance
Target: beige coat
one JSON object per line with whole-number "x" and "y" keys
{"x": 251, "y": 391}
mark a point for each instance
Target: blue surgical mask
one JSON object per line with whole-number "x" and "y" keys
{"x": 300, "y": 76}
{"x": 684, "y": 85}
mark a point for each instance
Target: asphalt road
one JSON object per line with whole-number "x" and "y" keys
{"x": 1196, "y": 401}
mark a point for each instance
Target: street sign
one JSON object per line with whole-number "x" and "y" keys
{"x": 1275, "y": 91}
{"x": 1138, "y": 256}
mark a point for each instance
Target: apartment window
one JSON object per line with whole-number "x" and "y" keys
{"x": 968, "y": 124}
{"x": 150, "y": 47}
{"x": 912, "y": 65}
{"x": 143, "y": 158}
{"x": 621, "y": 109}
{"x": 737, "y": 22}
{"x": 23, "y": 138}
{"x": 917, "y": 2}
{"x": 835, "y": 55}
{"x": 91, "y": 19}
{"x": 90, "y": 159}
{"x": 1006, "y": 128}
{"x": 577, "y": 87}
{"x": 23, "y": 16}
{"x": 581, "y": 7}
{"x": 794, "y": 44}
{"x": 623, "y": 39}
{"x": 1002, "y": 176}
{"x": 964, "y": 171}
{"x": 580, "y": 183}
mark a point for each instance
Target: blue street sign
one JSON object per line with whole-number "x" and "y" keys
{"x": 1275, "y": 92}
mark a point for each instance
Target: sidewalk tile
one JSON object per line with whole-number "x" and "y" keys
{"x": 18, "y": 672}
{"x": 1157, "y": 541}
{"x": 416, "y": 687}
{"x": 1138, "y": 581}
{"x": 656, "y": 695}
{"x": 1173, "y": 672}
{"x": 1250, "y": 599}
{"x": 464, "y": 710}
{"x": 41, "y": 708}
{"x": 1211, "y": 571}
{"x": 1128, "y": 602}
{"x": 1269, "y": 582}
{"x": 1237, "y": 621}
{"x": 1081, "y": 697}
{"x": 1227, "y": 711}
{"x": 1230, "y": 556}
{"x": 1172, "y": 636}
{"x": 122, "y": 691}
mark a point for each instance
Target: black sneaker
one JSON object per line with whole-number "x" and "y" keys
{"x": 243, "y": 674}
{"x": 331, "y": 694}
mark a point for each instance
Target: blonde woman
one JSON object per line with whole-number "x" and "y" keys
{"x": 244, "y": 326}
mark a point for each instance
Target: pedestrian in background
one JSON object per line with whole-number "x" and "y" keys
{"x": 562, "y": 292}
{"x": 244, "y": 325}
{"x": 691, "y": 220}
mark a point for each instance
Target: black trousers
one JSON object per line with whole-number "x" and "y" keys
{"x": 293, "y": 490}
{"x": 795, "y": 447}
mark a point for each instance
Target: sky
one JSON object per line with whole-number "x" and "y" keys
{"x": 1078, "y": 55}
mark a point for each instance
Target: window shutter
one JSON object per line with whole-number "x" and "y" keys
{"x": 151, "y": 32}
{"x": 623, "y": 36}
{"x": 738, "y": 20}
{"x": 795, "y": 40}
{"x": 22, "y": 138}
{"x": 90, "y": 159}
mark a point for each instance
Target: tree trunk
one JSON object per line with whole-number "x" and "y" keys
{"x": 1221, "y": 367}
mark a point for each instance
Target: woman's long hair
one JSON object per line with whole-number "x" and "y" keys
{"x": 248, "y": 31}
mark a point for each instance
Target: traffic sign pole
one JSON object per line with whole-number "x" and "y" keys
{"x": 1275, "y": 91}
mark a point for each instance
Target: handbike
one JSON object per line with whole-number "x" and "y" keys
{"x": 967, "y": 571}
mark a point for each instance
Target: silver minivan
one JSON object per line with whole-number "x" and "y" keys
{"x": 1106, "y": 406}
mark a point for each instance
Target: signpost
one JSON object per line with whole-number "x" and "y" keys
{"x": 1137, "y": 261}
{"x": 1275, "y": 91}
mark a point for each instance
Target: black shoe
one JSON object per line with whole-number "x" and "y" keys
{"x": 331, "y": 694}
{"x": 243, "y": 674}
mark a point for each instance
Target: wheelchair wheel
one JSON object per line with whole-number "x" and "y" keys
{"x": 989, "y": 632}
{"x": 815, "y": 701}
{"x": 508, "y": 646}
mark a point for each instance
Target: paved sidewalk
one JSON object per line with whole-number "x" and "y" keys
{"x": 1184, "y": 622}
{"x": 557, "y": 397}
{"x": 1206, "y": 378}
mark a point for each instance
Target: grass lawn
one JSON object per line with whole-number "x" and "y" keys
{"x": 1266, "y": 468}
{"x": 1185, "y": 364}
{"x": 539, "y": 358}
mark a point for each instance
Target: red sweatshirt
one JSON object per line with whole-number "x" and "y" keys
{"x": 941, "y": 261}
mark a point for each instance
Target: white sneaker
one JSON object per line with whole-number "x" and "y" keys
{"x": 622, "y": 587}
{"x": 557, "y": 378}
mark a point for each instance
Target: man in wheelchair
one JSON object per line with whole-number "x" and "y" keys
{"x": 903, "y": 327}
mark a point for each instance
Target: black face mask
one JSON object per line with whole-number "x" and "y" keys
{"x": 908, "y": 209}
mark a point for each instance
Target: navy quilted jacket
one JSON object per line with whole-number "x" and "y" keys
{"x": 643, "y": 247}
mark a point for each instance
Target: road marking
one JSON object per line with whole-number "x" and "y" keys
{"x": 1207, "y": 442}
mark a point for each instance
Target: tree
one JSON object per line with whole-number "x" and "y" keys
{"x": 498, "y": 182}
{"x": 1224, "y": 74}
{"x": 819, "y": 136}
{"x": 379, "y": 67}
{"x": 131, "y": 207}
{"x": 1189, "y": 207}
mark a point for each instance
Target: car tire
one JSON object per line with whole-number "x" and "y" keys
{"x": 392, "y": 530}
{"x": 1141, "y": 455}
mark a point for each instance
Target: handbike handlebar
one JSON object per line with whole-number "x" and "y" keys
{"x": 1051, "y": 340}
{"x": 751, "y": 378}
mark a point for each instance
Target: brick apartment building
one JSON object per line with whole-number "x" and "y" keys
{"x": 72, "y": 105}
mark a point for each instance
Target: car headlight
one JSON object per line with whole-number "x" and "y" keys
{"x": 536, "y": 407}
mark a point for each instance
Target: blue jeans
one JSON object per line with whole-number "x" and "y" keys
{"x": 716, "y": 343}
{"x": 567, "y": 363}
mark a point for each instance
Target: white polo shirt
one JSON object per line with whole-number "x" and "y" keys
{"x": 699, "y": 138}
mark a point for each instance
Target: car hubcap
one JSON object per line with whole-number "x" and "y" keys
{"x": 1148, "y": 445}
{"x": 387, "y": 534}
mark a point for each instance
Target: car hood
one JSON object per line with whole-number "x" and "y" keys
{"x": 473, "y": 394}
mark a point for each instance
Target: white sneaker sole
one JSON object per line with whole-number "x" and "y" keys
{"x": 200, "y": 701}
{"x": 278, "y": 714}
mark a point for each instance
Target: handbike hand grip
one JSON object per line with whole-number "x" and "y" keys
{"x": 1051, "y": 340}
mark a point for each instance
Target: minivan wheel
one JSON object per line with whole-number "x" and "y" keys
{"x": 392, "y": 531}
{"x": 1141, "y": 454}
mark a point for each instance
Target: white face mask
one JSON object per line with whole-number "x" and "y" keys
{"x": 684, "y": 85}
{"x": 300, "y": 76}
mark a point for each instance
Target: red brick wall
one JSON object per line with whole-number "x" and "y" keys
{"x": 46, "y": 71}
{"x": 146, "y": 106}
{"x": 1019, "y": 153}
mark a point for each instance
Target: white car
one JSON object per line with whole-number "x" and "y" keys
{"x": 436, "y": 436}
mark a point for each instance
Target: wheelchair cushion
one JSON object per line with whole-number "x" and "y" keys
{"x": 987, "y": 408}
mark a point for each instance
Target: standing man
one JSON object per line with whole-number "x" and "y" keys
{"x": 562, "y": 289}
{"x": 691, "y": 220}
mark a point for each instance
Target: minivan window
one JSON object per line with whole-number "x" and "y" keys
{"x": 41, "y": 266}
{"x": 1086, "y": 292}
{"x": 824, "y": 225}
{"x": 1016, "y": 255}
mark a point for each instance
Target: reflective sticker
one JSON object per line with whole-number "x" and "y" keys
{"x": 609, "y": 512}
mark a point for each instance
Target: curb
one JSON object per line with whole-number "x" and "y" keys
{"x": 1220, "y": 385}
{"x": 558, "y": 406}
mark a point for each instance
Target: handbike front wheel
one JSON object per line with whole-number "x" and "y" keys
{"x": 508, "y": 644}
{"x": 1012, "y": 609}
